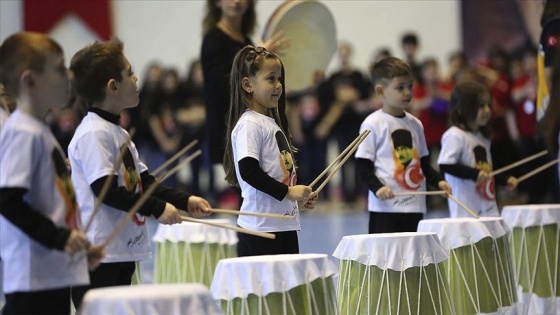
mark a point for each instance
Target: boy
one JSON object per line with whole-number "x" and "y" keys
{"x": 42, "y": 251}
{"x": 394, "y": 158}
{"x": 104, "y": 80}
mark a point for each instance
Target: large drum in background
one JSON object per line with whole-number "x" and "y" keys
{"x": 150, "y": 299}
{"x": 535, "y": 249}
{"x": 479, "y": 268}
{"x": 189, "y": 252}
{"x": 310, "y": 27}
{"x": 298, "y": 284}
{"x": 392, "y": 273}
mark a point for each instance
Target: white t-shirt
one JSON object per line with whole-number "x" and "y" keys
{"x": 31, "y": 159}
{"x": 258, "y": 136}
{"x": 388, "y": 133}
{"x": 472, "y": 150}
{"x": 92, "y": 152}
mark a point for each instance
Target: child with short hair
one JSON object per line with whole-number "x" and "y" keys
{"x": 394, "y": 157}
{"x": 41, "y": 247}
{"x": 104, "y": 80}
{"x": 465, "y": 152}
{"x": 259, "y": 153}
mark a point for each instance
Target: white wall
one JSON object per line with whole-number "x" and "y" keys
{"x": 170, "y": 30}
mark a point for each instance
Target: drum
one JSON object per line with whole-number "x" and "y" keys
{"x": 310, "y": 27}
{"x": 189, "y": 252}
{"x": 535, "y": 245}
{"x": 392, "y": 273}
{"x": 479, "y": 268}
{"x": 298, "y": 284}
{"x": 150, "y": 299}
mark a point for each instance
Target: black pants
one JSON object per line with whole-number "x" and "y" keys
{"x": 390, "y": 222}
{"x": 38, "y": 302}
{"x": 106, "y": 275}
{"x": 284, "y": 243}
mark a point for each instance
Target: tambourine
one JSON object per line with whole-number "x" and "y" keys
{"x": 310, "y": 27}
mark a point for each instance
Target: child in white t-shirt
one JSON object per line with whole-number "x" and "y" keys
{"x": 259, "y": 153}
{"x": 394, "y": 157}
{"x": 104, "y": 80}
{"x": 465, "y": 152}
{"x": 42, "y": 250}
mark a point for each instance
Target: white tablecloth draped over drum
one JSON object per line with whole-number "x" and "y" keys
{"x": 160, "y": 299}
{"x": 190, "y": 232}
{"x": 458, "y": 232}
{"x": 396, "y": 251}
{"x": 268, "y": 274}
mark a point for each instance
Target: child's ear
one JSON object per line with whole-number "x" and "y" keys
{"x": 378, "y": 89}
{"x": 112, "y": 85}
{"x": 26, "y": 78}
{"x": 246, "y": 84}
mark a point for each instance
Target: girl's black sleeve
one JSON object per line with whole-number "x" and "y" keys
{"x": 252, "y": 173}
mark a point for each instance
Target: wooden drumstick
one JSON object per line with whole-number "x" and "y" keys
{"x": 174, "y": 157}
{"x": 151, "y": 189}
{"x": 108, "y": 180}
{"x": 536, "y": 171}
{"x": 341, "y": 155}
{"x": 180, "y": 165}
{"x": 515, "y": 164}
{"x": 264, "y": 215}
{"x": 462, "y": 205}
{"x": 409, "y": 193}
{"x": 231, "y": 227}
{"x": 339, "y": 165}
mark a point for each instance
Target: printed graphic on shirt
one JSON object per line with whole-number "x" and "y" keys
{"x": 553, "y": 40}
{"x": 132, "y": 181}
{"x": 486, "y": 189}
{"x": 286, "y": 160}
{"x": 408, "y": 171}
{"x": 66, "y": 189}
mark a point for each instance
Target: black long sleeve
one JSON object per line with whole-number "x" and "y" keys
{"x": 433, "y": 177}
{"x": 31, "y": 222}
{"x": 367, "y": 175}
{"x": 252, "y": 173}
{"x": 175, "y": 197}
{"x": 460, "y": 170}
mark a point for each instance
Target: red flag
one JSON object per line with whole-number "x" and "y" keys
{"x": 42, "y": 15}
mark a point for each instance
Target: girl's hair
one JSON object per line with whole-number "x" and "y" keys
{"x": 247, "y": 63}
{"x": 467, "y": 98}
{"x": 214, "y": 13}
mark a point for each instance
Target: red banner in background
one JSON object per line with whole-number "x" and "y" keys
{"x": 42, "y": 15}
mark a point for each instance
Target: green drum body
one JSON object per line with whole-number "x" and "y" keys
{"x": 393, "y": 273}
{"x": 300, "y": 284}
{"x": 535, "y": 249}
{"x": 479, "y": 268}
{"x": 189, "y": 252}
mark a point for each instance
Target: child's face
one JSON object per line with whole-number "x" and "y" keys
{"x": 52, "y": 86}
{"x": 484, "y": 112}
{"x": 396, "y": 95}
{"x": 127, "y": 87}
{"x": 233, "y": 8}
{"x": 266, "y": 86}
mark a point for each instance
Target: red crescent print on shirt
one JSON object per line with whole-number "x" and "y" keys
{"x": 552, "y": 40}
{"x": 286, "y": 160}
{"x": 66, "y": 189}
{"x": 132, "y": 182}
{"x": 408, "y": 171}
{"x": 486, "y": 189}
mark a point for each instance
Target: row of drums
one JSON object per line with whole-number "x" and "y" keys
{"x": 507, "y": 265}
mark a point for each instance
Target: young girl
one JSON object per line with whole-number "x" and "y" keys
{"x": 259, "y": 153}
{"x": 465, "y": 154}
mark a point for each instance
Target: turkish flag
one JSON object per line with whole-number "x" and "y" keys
{"x": 42, "y": 15}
